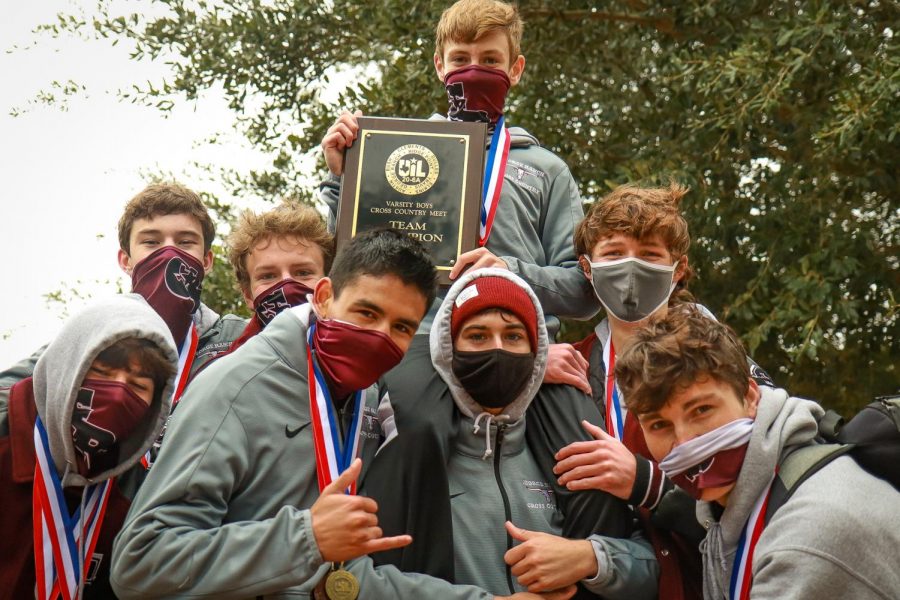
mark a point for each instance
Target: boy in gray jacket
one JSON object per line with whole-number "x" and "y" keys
{"x": 477, "y": 58}
{"x": 247, "y": 497}
{"x": 723, "y": 438}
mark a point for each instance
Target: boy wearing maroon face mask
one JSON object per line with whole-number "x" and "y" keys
{"x": 247, "y": 495}
{"x": 165, "y": 235}
{"x": 278, "y": 257}
{"x": 529, "y": 229}
{"x": 723, "y": 438}
{"x": 98, "y": 398}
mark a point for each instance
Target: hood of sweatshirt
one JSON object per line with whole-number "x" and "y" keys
{"x": 442, "y": 349}
{"x": 63, "y": 367}
{"x": 782, "y": 424}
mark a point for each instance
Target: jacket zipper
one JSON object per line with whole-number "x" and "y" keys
{"x": 506, "y": 509}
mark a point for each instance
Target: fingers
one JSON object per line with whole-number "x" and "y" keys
{"x": 572, "y": 449}
{"x": 386, "y": 543}
{"x": 596, "y": 432}
{"x": 561, "y": 594}
{"x": 517, "y": 533}
{"x": 462, "y": 263}
{"x": 340, "y": 485}
{"x": 476, "y": 259}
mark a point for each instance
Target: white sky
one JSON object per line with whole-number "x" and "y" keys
{"x": 67, "y": 174}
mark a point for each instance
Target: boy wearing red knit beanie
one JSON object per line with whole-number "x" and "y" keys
{"x": 474, "y": 486}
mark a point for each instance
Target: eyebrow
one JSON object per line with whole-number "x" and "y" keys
{"x": 159, "y": 232}
{"x": 300, "y": 263}
{"x": 363, "y": 303}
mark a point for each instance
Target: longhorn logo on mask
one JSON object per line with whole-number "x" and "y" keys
{"x": 183, "y": 280}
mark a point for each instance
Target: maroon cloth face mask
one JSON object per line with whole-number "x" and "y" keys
{"x": 106, "y": 412}
{"x": 352, "y": 358}
{"x": 719, "y": 470}
{"x": 476, "y": 93}
{"x": 282, "y": 295}
{"x": 170, "y": 280}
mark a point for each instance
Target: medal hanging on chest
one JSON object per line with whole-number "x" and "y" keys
{"x": 332, "y": 456}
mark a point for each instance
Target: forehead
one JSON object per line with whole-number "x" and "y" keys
{"x": 285, "y": 250}
{"x": 623, "y": 239}
{"x": 168, "y": 224}
{"x": 495, "y": 41}
{"x": 707, "y": 389}
{"x": 132, "y": 367}
{"x": 396, "y": 299}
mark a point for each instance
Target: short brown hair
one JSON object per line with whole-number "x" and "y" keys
{"x": 290, "y": 219}
{"x": 638, "y": 212}
{"x": 468, "y": 21}
{"x": 152, "y": 360}
{"x": 673, "y": 353}
{"x": 159, "y": 199}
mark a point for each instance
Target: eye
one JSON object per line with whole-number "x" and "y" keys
{"x": 140, "y": 385}
{"x": 702, "y": 410}
{"x": 366, "y": 314}
{"x": 610, "y": 253}
{"x": 658, "y": 425}
{"x": 403, "y": 328}
{"x": 148, "y": 242}
{"x": 187, "y": 243}
{"x": 266, "y": 276}
{"x": 99, "y": 371}
{"x": 514, "y": 337}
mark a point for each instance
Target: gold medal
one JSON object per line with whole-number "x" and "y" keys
{"x": 341, "y": 585}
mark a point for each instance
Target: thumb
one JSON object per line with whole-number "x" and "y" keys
{"x": 596, "y": 432}
{"x": 523, "y": 535}
{"x": 344, "y": 480}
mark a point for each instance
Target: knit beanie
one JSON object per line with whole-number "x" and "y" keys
{"x": 490, "y": 292}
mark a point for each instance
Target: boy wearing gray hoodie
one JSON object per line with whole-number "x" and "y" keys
{"x": 69, "y": 436}
{"x": 723, "y": 438}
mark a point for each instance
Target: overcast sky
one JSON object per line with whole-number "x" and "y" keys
{"x": 66, "y": 174}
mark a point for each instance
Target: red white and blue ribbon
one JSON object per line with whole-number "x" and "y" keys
{"x": 58, "y": 567}
{"x": 333, "y": 454}
{"x": 494, "y": 171}
{"x": 615, "y": 416}
{"x": 742, "y": 572}
{"x": 185, "y": 361}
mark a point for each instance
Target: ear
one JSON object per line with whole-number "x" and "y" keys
{"x": 208, "y": 262}
{"x": 439, "y": 66}
{"x": 751, "y": 399}
{"x": 125, "y": 262}
{"x": 681, "y": 269}
{"x": 516, "y": 70}
{"x": 585, "y": 266}
{"x": 323, "y": 295}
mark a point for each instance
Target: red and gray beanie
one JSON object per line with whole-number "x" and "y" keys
{"x": 485, "y": 293}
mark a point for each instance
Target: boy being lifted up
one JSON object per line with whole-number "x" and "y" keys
{"x": 477, "y": 58}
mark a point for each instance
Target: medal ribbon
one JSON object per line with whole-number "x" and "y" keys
{"x": 332, "y": 456}
{"x": 494, "y": 171}
{"x": 56, "y": 534}
{"x": 185, "y": 361}
{"x": 615, "y": 417}
{"x": 742, "y": 571}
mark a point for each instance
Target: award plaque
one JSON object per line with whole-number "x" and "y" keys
{"x": 423, "y": 178}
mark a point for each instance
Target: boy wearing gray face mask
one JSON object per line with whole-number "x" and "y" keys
{"x": 633, "y": 248}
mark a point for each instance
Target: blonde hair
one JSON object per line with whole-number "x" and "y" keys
{"x": 290, "y": 219}
{"x": 468, "y": 21}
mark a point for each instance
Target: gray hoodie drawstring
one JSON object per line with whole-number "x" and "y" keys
{"x": 488, "y": 451}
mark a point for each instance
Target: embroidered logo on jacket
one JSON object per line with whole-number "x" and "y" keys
{"x": 544, "y": 497}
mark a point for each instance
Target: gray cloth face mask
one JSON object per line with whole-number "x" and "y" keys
{"x": 632, "y": 289}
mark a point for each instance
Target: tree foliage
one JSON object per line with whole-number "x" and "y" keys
{"x": 782, "y": 117}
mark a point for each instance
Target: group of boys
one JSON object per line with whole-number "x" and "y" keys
{"x": 324, "y": 449}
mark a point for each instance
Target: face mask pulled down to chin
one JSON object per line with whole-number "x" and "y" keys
{"x": 632, "y": 289}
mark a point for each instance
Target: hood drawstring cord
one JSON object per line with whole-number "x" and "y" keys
{"x": 488, "y": 450}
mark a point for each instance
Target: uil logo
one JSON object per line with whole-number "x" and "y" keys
{"x": 412, "y": 169}
{"x": 183, "y": 281}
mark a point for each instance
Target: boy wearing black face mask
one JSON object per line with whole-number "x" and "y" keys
{"x": 495, "y": 516}
{"x": 98, "y": 398}
{"x": 528, "y": 229}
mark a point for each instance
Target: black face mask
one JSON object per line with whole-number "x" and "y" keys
{"x": 494, "y": 378}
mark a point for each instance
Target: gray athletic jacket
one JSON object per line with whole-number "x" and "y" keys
{"x": 837, "y": 535}
{"x": 540, "y": 206}
{"x": 224, "y": 512}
